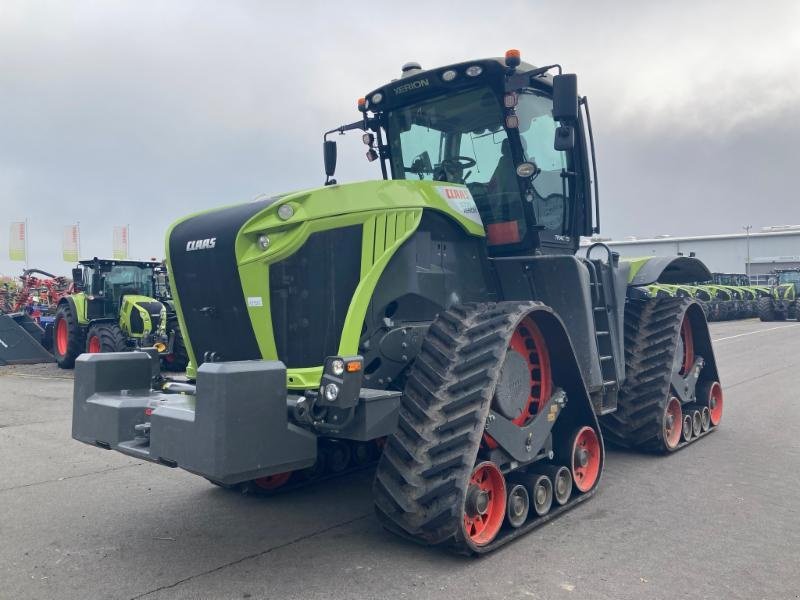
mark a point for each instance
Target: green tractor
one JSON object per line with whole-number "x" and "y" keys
{"x": 439, "y": 316}
{"x": 745, "y": 295}
{"x": 118, "y": 305}
{"x": 783, "y": 300}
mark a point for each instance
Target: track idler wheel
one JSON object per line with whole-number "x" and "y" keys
{"x": 518, "y": 505}
{"x": 697, "y": 423}
{"x": 705, "y": 417}
{"x": 687, "y": 428}
{"x": 561, "y": 477}
{"x": 337, "y": 455}
{"x": 364, "y": 453}
{"x": 540, "y": 489}
{"x": 484, "y": 504}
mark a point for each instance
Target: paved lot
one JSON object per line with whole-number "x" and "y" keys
{"x": 717, "y": 520}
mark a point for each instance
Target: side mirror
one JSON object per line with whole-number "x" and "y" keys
{"x": 565, "y": 98}
{"x": 77, "y": 278}
{"x": 329, "y": 152}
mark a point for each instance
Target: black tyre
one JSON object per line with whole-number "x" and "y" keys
{"x": 105, "y": 337}
{"x": 69, "y": 337}
{"x": 178, "y": 359}
{"x": 766, "y": 309}
{"x": 658, "y": 342}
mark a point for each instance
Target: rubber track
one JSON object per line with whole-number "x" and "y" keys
{"x": 652, "y": 329}
{"x": 421, "y": 480}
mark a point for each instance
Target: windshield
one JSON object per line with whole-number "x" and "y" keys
{"x": 790, "y": 277}
{"x": 113, "y": 282}
{"x": 461, "y": 139}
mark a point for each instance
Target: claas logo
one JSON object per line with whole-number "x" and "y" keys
{"x": 457, "y": 193}
{"x": 205, "y": 244}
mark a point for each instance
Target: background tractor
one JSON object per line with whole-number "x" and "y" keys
{"x": 115, "y": 308}
{"x": 782, "y": 301}
{"x": 439, "y": 314}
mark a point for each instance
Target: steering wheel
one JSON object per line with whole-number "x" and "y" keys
{"x": 452, "y": 169}
{"x": 459, "y": 162}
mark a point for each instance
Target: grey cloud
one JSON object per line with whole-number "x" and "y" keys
{"x": 129, "y": 112}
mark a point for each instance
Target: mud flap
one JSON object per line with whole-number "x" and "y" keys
{"x": 21, "y": 341}
{"x": 234, "y": 429}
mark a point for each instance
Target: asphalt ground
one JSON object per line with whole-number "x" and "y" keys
{"x": 719, "y": 519}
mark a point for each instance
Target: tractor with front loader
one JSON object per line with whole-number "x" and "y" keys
{"x": 438, "y": 316}
{"x": 783, "y": 300}
{"x": 115, "y": 307}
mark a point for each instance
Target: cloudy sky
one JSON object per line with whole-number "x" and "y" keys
{"x": 131, "y": 112}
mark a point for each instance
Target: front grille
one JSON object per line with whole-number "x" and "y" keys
{"x": 310, "y": 294}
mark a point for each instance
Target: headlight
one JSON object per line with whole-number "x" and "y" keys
{"x": 337, "y": 367}
{"x": 331, "y": 392}
{"x": 285, "y": 211}
{"x": 449, "y": 75}
{"x": 263, "y": 241}
{"x": 377, "y": 97}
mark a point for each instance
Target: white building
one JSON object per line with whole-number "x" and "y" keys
{"x": 771, "y": 248}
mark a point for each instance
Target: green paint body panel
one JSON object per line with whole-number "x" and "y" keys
{"x": 636, "y": 265}
{"x": 389, "y": 213}
{"x": 80, "y": 307}
{"x": 131, "y": 303}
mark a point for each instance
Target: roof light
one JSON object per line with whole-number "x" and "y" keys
{"x": 512, "y": 58}
{"x": 510, "y": 100}
{"x": 449, "y": 75}
{"x": 377, "y": 97}
{"x": 362, "y": 104}
{"x": 474, "y": 71}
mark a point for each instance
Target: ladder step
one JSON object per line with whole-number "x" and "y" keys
{"x": 610, "y": 383}
{"x": 599, "y": 333}
{"x": 609, "y": 357}
{"x": 601, "y": 308}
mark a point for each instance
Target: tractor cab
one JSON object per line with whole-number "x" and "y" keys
{"x": 507, "y": 131}
{"x": 788, "y": 277}
{"x": 107, "y": 282}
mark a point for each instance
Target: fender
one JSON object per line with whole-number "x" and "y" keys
{"x": 666, "y": 269}
{"x": 78, "y": 304}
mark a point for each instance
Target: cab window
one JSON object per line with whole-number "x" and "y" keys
{"x": 550, "y": 190}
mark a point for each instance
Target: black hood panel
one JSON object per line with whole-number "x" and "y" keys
{"x": 205, "y": 280}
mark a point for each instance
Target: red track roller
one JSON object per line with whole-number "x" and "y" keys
{"x": 273, "y": 482}
{"x": 586, "y": 458}
{"x": 673, "y": 423}
{"x": 715, "y": 403}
